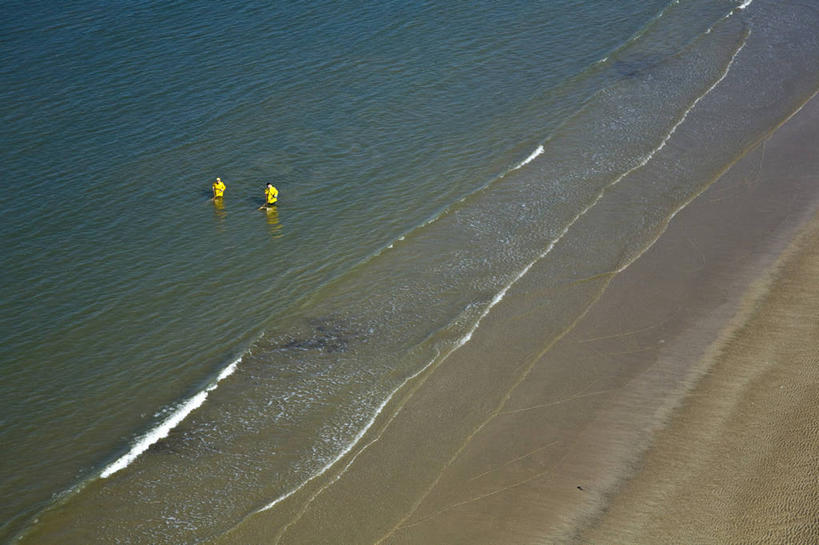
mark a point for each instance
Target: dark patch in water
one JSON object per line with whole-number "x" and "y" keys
{"x": 635, "y": 66}
{"x": 328, "y": 335}
{"x": 186, "y": 443}
{"x": 172, "y": 444}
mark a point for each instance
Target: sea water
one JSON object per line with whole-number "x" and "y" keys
{"x": 171, "y": 365}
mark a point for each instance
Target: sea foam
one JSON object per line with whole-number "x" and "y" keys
{"x": 531, "y": 157}
{"x": 164, "y": 428}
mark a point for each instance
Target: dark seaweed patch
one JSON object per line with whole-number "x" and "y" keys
{"x": 172, "y": 444}
{"x": 635, "y": 66}
{"x": 327, "y": 335}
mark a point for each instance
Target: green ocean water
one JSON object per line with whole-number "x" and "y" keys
{"x": 191, "y": 362}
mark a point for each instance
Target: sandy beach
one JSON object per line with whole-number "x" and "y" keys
{"x": 738, "y": 460}
{"x": 678, "y": 407}
{"x": 539, "y": 273}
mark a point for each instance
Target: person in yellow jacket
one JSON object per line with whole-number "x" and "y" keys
{"x": 271, "y": 196}
{"x": 218, "y": 189}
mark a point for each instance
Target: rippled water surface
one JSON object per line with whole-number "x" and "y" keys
{"x": 426, "y": 155}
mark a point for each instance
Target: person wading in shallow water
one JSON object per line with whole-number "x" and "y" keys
{"x": 218, "y": 189}
{"x": 271, "y": 196}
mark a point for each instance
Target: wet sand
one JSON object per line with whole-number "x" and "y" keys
{"x": 739, "y": 460}
{"x": 678, "y": 406}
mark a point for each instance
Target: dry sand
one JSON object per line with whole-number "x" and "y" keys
{"x": 679, "y": 407}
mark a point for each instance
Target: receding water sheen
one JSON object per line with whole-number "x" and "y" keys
{"x": 171, "y": 365}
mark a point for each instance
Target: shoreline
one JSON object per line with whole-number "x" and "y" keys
{"x": 556, "y": 433}
{"x": 734, "y": 460}
{"x": 737, "y": 461}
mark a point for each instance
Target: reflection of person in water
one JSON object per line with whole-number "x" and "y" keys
{"x": 219, "y": 207}
{"x": 272, "y": 213}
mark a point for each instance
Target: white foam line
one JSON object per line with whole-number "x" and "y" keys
{"x": 563, "y": 233}
{"x": 696, "y": 195}
{"x": 163, "y": 429}
{"x": 531, "y": 157}
{"x": 349, "y": 447}
{"x": 462, "y": 341}
{"x": 226, "y": 372}
{"x": 538, "y": 151}
{"x": 641, "y": 32}
{"x": 667, "y": 138}
{"x": 745, "y": 4}
{"x": 495, "y": 300}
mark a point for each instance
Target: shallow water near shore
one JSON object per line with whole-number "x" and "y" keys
{"x": 427, "y": 158}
